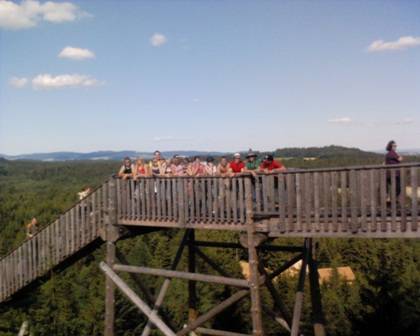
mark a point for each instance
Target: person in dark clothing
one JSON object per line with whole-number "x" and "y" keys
{"x": 392, "y": 158}
{"x": 127, "y": 169}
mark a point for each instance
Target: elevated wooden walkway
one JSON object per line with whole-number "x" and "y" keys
{"x": 345, "y": 202}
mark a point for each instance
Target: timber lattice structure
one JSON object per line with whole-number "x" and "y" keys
{"x": 359, "y": 202}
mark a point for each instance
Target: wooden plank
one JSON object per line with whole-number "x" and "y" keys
{"x": 232, "y": 201}
{"x": 93, "y": 217}
{"x": 134, "y": 197}
{"x": 344, "y": 201}
{"x": 241, "y": 199}
{"x": 31, "y": 260}
{"x": 75, "y": 229}
{"x": 119, "y": 200}
{"x": 169, "y": 199}
{"x": 57, "y": 241}
{"x": 298, "y": 202}
{"x": 159, "y": 196}
{"x": 282, "y": 202}
{"x": 354, "y": 201}
{"x": 326, "y": 199}
{"x": 373, "y": 188}
{"x": 270, "y": 193}
{"x": 203, "y": 199}
{"x": 84, "y": 233}
{"x": 334, "y": 200}
{"x": 363, "y": 187}
{"x": 48, "y": 247}
{"x": 68, "y": 234}
{"x": 105, "y": 203}
{"x": 143, "y": 197}
{"x": 265, "y": 197}
{"x": 147, "y": 200}
{"x": 383, "y": 194}
{"x": 308, "y": 201}
{"x": 402, "y": 200}
{"x": 290, "y": 202}
{"x": 414, "y": 199}
{"x": 181, "y": 201}
{"x": 317, "y": 203}
{"x": 77, "y": 226}
{"x": 209, "y": 184}
{"x": 174, "y": 203}
{"x": 222, "y": 188}
{"x": 258, "y": 184}
{"x": 187, "y": 187}
{"x": 393, "y": 197}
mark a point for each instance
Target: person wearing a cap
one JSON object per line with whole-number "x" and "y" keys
{"x": 237, "y": 166}
{"x": 252, "y": 163}
{"x": 269, "y": 165}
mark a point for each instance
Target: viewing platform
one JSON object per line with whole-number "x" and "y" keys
{"x": 353, "y": 202}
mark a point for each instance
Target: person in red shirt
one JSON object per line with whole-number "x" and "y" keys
{"x": 237, "y": 166}
{"x": 269, "y": 165}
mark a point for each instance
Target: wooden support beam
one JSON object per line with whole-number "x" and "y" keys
{"x": 109, "y": 293}
{"x": 121, "y": 259}
{"x": 274, "y": 248}
{"x": 129, "y": 293}
{"x": 144, "y": 290}
{"x": 318, "y": 318}
{"x": 192, "y": 291}
{"x": 254, "y": 284}
{"x": 165, "y": 286}
{"x": 209, "y": 261}
{"x": 111, "y": 236}
{"x": 213, "y": 312}
{"x": 297, "y": 311}
{"x": 279, "y": 305}
{"x": 285, "y": 266}
{"x": 207, "y": 331}
{"x": 182, "y": 275}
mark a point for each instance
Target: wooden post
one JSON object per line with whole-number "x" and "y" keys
{"x": 111, "y": 235}
{"x": 297, "y": 311}
{"x": 109, "y": 292}
{"x": 318, "y": 319}
{"x": 257, "y": 328}
{"x": 192, "y": 294}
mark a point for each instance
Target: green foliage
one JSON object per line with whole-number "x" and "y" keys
{"x": 384, "y": 299}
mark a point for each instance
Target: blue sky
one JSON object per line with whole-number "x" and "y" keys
{"x": 208, "y": 75}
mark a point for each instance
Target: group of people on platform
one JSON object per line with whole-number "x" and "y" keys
{"x": 180, "y": 166}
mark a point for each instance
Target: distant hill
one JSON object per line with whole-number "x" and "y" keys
{"x": 326, "y": 152}
{"x": 101, "y": 155}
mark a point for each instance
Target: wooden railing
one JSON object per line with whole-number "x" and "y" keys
{"x": 53, "y": 244}
{"x": 364, "y": 199}
{"x": 354, "y": 201}
{"x": 214, "y": 201}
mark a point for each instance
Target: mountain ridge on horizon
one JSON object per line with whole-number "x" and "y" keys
{"x": 118, "y": 155}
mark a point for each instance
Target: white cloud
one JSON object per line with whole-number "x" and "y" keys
{"x": 18, "y": 82}
{"x": 76, "y": 53}
{"x": 342, "y": 120}
{"x": 29, "y": 13}
{"x": 47, "y": 81}
{"x": 158, "y": 40}
{"x": 402, "y": 43}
